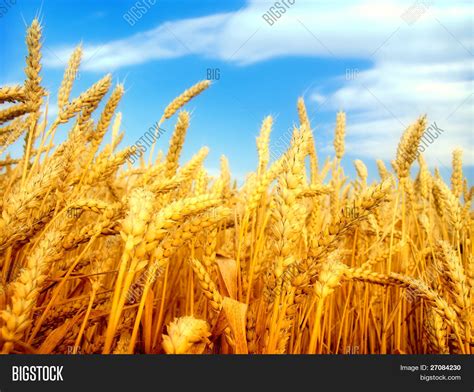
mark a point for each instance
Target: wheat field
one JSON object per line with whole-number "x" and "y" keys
{"x": 99, "y": 255}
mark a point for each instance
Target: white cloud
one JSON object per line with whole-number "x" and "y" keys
{"x": 311, "y": 27}
{"x": 402, "y": 85}
{"x": 53, "y": 111}
{"x": 169, "y": 40}
{"x": 421, "y": 62}
{"x": 318, "y": 98}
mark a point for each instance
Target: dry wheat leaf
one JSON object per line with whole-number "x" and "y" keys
{"x": 228, "y": 270}
{"x": 236, "y": 313}
{"x": 55, "y": 337}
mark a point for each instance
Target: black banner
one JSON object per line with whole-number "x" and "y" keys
{"x": 292, "y": 373}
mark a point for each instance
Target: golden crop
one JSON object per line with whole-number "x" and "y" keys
{"x": 99, "y": 256}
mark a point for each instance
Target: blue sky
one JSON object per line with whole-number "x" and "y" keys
{"x": 383, "y": 62}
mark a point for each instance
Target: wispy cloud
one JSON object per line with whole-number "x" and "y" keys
{"x": 169, "y": 40}
{"x": 422, "y": 69}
